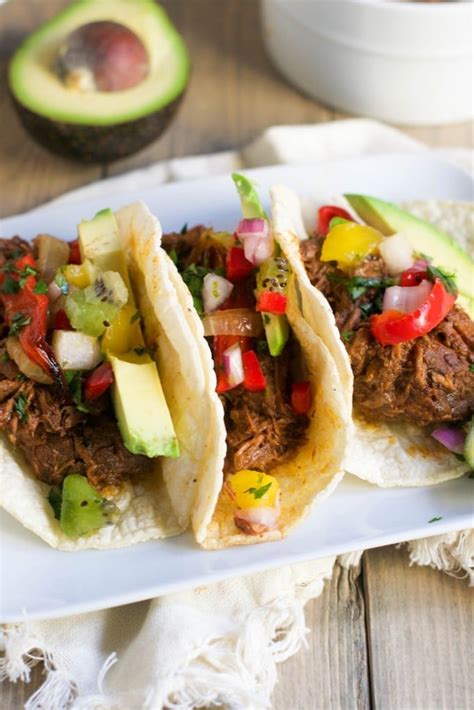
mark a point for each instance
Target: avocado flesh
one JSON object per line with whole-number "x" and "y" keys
{"x": 276, "y": 331}
{"x": 99, "y": 126}
{"x": 425, "y": 238}
{"x": 142, "y": 412}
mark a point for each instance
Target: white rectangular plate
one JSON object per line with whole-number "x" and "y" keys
{"x": 39, "y": 582}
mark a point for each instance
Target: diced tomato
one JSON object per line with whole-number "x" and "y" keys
{"x": 254, "y": 379}
{"x": 61, "y": 321}
{"x": 32, "y": 309}
{"x": 301, "y": 397}
{"x": 325, "y": 215}
{"x": 393, "y": 327}
{"x": 413, "y": 276}
{"x": 98, "y": 381}
{"x": 220, "y": 345}
{"x": 74, "y": 252}
{"x": 237, "y": 265}
{"x": 272, "y": 302}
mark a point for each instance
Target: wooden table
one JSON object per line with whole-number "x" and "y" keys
{"x": 385, "y": 635}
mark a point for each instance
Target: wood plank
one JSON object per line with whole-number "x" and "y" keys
{"x": 29, "y": 175}
{"x": 332, "y": 673}
{"x": 420, "y": 635}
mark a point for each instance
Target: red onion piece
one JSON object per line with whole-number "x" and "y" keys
{"x": 420, "y": 265}
{"x": 406, "y": 299}
{"x": 215, "y": 290}
{"x": 233, "y": 365}
{"x": 451, "y": 438}
{"x": 257, "y": 239}
{"x": 256, "y": 227}
{"x": 264, "y": 517}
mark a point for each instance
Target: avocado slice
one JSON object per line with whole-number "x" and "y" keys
{"x": 425, "y": 238}
{"x": 142, "y": 413}
{"x": 249, "y": 199}
{"x": 140, "y": 406}
{"x": 95, "y": 126}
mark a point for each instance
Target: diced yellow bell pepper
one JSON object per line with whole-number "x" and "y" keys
{"x": 79, "y": 275}
{"x": 349, "y": 243}
{"x": 254, "y": 489}
{"x": 124, "y": 334}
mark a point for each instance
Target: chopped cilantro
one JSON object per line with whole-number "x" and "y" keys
{"x": 25, "y": 273}
{"x": 20, "y": 377}
{"x": 74, "y": 382}
{"x": 19, "y": 321}
{"x": 10, "y": 286}
{"x": 261, "y": 346}
{"x": 4, "y": 357}
{"x": 20, "y": 407}
{"x": 136, "y": 316}
{"x": 447, "y": 279}
{"x": 435, "y": 519}
{"x": 471, "y": 367}
{"x": 358, "y": 285}
{"x": 259, "y": 492}
{"x": 41, "y": 288}
{"x": 193, "y": 277}
{"x": 347, "y": 335}
{"x": 173, "y": 255}
{"x": 184, "y": 228}
{"x": 55, "y": 498}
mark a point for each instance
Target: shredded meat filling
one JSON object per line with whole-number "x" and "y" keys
{"x": 262, "y": 428}
{"x": 425, "y": 381}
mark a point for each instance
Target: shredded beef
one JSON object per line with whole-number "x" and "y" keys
{"x": 56, "y": 439}
{"x": 262, "y": 428}
{"x": 425, "y": 381}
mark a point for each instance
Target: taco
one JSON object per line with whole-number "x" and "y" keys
{"x": 279, "y": 418}
{"x": 86, "y": 429}
{"x": 392, "y": 296}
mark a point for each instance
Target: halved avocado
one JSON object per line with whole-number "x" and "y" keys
{"x": 95, "y": 125}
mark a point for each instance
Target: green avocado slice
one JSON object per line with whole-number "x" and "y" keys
{"x": 35, "y": 85}
{"x": 425, "y": 238}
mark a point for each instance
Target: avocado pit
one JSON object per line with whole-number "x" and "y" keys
{"x": 102, "y": 56}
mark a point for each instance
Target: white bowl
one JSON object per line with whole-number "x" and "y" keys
{"x": 405, "y": 62}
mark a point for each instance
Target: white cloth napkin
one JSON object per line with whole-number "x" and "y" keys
{"x": 218, "y": 644}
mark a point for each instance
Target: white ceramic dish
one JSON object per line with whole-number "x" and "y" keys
{"x": 39, "y": 582}
{"x": 405, "y": 62}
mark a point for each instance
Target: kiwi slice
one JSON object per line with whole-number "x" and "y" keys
{"x": 81, "y": 507}
{"x": 91, "y": 310}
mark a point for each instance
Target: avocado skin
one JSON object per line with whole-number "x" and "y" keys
{"x": 96, "y": 144}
